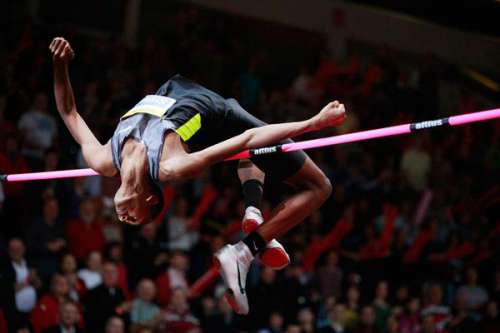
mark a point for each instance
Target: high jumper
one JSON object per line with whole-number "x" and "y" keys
{"x": 182, "y": 130}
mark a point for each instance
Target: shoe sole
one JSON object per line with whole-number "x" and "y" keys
{"x": 249, "y": 225}
{"x": 274, "y": 258}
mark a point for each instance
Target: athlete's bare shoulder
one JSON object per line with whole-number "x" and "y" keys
{"x": 100, "y": 158}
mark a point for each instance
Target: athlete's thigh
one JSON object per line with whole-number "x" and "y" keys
{"x": 309, "y": 175}
{"x": 277, "y": 167}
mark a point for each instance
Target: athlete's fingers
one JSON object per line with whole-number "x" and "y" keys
{"x": 57, "y": 42}
{"x": 60, "y": 48}
{"x": 66, "y": 51}
{"x": 61, "y": 44}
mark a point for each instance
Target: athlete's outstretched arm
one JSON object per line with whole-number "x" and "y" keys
{"x": 97, "y": 156}
{"x": 179, "y": 166}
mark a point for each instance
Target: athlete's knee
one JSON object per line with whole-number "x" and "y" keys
{"x": 322, "y": 187}
{"x": 326, "y": 187}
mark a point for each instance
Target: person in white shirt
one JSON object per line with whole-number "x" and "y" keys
{"x": 180, "y": 237}
{"x": 38, "y": 127}
{"x": 474, "y": 296}
{"x": 179, "y": 264}
{"x": 25, "y": 279}
{"x": 91, "y": 275}
{"x": 416, "y": 164}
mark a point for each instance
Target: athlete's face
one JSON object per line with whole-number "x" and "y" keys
{"x": 134, "y": 207}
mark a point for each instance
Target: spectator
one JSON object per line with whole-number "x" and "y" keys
{"x": 218, "y": 316}
{"x": 88, "y": 225}
{"x": 380, "y": 305}
{"x": 18, "y": 284}
{"x": 462, "y": 321}
{"x": 115, "y": 325}
{"x": 303, "y": 87}
{"x": 91, "y": 275}
{"x": 292, "y": 328}
{"x": 76, "y": 285}
{"x": 402, "y": 296}
{"x": 69, "y": 317}
{"x": 144, "y": 253}
{"x": 297, "y": 285}
{"x": 491, "y": 322}
{"x": 266, "y": 295}
{"x": 103, "y": 301}
{"x": 178, "y": 317}
{"x": 330, "y": 277}
{"x": 12, "y": 162}
{"x": 416, "y": 165}
{"x": 46, "y": 312}
{"x": 276, "y": 322}
{"x": 352, "y": 307}
{"x": 46, "y": 239}
{"x": 435, "y": 309}
{"x": 410, "y": 319}
{"x": 428, "y": 325}
{"x": 143, "y": 312}
{"x": 367, "y": 321}
{"x": 474, "y": 296}
{"x": 180, "y": 238}
{"x": 114, "y": 253}
{"x": 306, "y": 320}
{"x": 38, "y": 127}
{"x": 392, "y": 325}
{"x": 174, "y": 277}
{"x": 337, "y": 320}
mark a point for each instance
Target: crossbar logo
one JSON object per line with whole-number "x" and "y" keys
{"x": 429, "y": 124}
{"x": 265, "y": 150}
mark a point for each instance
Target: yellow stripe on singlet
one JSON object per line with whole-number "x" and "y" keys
{"x": 189, "y": 128}
{"x": 158, "y": 112}
{"x": 152, "y": 104}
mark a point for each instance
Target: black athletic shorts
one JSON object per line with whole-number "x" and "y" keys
{"x": 277, "y": 167}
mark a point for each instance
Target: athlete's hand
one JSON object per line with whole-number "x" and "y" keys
{"x": 61, "y": 50}
{"x": 331, "y": 115}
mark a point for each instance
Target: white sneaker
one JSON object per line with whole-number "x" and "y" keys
{"x": 234, "y": 262}
{"x": 274, "y": 255}
{"x": 252, "y": 219}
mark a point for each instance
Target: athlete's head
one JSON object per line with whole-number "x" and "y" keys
{"x": 140, "y": 206}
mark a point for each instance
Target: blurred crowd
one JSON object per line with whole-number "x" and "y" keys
{"x": 407, "y": 243}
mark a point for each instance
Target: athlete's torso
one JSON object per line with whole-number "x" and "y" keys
{"x": 195, "y": 113}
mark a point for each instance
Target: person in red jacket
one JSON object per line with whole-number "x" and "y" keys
{"x": 46, "y": 312}
{"x": 178, "y": 317}
{"x": 87, "y": 225}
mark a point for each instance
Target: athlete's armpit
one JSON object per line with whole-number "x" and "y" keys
{"x": 99, "y": 158}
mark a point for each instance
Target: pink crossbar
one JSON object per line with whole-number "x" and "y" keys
{"x": 302, "y": 145}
